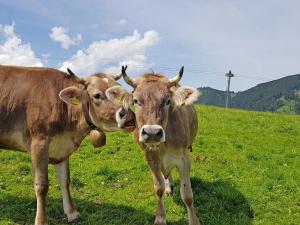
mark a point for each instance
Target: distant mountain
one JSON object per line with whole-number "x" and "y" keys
{"x": 282, "y": 95}
{"x": 210, "y": 96}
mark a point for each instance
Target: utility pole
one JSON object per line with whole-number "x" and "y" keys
{"x": 229, "y": 75}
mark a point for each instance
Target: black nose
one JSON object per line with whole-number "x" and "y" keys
{"x": 122, "y": 113}
{"x": 152, "y": 133}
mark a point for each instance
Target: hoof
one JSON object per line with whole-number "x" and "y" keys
{"x": 160, "y": 221}
{"x": 168, "y": 192}
{"x": 73, "y": 217}
{"x": 43, "y": 223}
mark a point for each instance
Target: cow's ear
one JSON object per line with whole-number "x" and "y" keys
{"x": 71, "y": 95}
{"x": 185, "y": 96}
{"x": 119, "y": 95}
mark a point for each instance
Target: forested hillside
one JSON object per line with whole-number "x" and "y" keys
{"x": 282, "y": 95}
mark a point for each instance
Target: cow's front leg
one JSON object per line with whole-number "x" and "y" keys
{"x": 169, "y": 185}
{"x": 63, "y": 176}
{"x": 39, "y": 159}
{"x": 186, "y": 189}
{"x": 159, "y": 188}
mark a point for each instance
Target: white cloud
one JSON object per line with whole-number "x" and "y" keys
{"x": 59, "y": 34}
{"x": 112, "y": 53}
{"x": 13, "y": 51}
{"x": 122, "y": 22}
{"x": 135, "y": 65}
{"x": 45, "y": 58}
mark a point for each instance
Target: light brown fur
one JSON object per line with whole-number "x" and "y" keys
{"x": 34, "y": 119}
{"x": 180, "y": 124}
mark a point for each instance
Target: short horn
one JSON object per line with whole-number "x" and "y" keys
{"x": 118, "y": 76}
{"x": 127, "y": 79}
{"x": 175, "y": 80}
{"x": 72, "y": 75}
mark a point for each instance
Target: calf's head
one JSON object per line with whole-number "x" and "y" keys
{"x": 153, "y": 97}
{"x": 93, "y": 98}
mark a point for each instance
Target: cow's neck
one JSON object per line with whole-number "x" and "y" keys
{"x": 80, "y": 127}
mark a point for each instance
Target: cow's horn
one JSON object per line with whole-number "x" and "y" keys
{"x": 175, "y": 80}
{"x": 119, "y": 75}
{"x": 72, "y": 75}
{"x": 127, "y": 79}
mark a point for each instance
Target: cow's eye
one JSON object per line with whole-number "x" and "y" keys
{"x": 136, "y": 102}
{"x": 97, "y": 96}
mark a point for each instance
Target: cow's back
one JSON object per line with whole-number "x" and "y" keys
{"x": 29, "y": 102}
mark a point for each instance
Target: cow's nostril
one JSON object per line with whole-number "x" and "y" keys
{"x": 159, "y": 133}
{"x": 143, "y": 131}
{"x": 122, "y": 114}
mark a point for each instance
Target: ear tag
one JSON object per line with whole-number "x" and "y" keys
{"x": 132, "y": 108}
{"x": 75, "y": 101}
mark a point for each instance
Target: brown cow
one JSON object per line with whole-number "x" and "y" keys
{"x": 34, "y": 117}
{"x": 166, "y": 127}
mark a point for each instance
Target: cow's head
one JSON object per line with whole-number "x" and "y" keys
{"x": 153, "y": 97}
{"x": 105, "y": 114}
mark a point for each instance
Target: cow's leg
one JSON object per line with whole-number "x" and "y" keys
{"x": 39, "y": 159}
{"x": 159, "y": 188}
{"x": 169, "y": 185}
{"x": 186, "y": 189}
{"x": 63, "y": 176}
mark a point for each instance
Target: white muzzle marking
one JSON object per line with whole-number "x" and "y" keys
{"x": 119, "y": 120}
{"x": 152, "y": 133}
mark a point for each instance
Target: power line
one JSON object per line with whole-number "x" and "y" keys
{"x": 173, "y": 69}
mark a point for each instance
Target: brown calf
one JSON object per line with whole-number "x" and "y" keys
{"x": 166, "y": 128}
{"x": 35, "y": 118}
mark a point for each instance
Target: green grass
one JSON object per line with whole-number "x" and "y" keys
{"x": 245, "y": 170}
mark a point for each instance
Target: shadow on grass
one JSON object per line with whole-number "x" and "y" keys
{"x": 21, "y": 210}
{"x": 216, "y": 203}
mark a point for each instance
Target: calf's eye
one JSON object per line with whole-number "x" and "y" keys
{"x": 97, "y": 96}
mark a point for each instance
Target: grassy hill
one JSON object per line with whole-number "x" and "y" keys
{"x": 282, "y": 95}
{"x": 245, "y": 170}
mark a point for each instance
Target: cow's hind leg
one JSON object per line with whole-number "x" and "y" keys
{"x": 63, "y": 176}
{"x": 169, "y": 185}
{"x": 186, "y": 189}
{"x": 39, "y": 159}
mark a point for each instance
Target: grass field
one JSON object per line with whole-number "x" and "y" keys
{"x": 245, "y": 170}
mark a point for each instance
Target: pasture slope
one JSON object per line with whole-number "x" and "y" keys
{"x": 245, "y": 170}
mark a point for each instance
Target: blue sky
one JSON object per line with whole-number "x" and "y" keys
{"x": 258, "y": 40}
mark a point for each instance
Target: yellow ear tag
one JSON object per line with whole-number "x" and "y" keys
{"x": 75, "y": 101}
{"x": 132, "y": 108}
